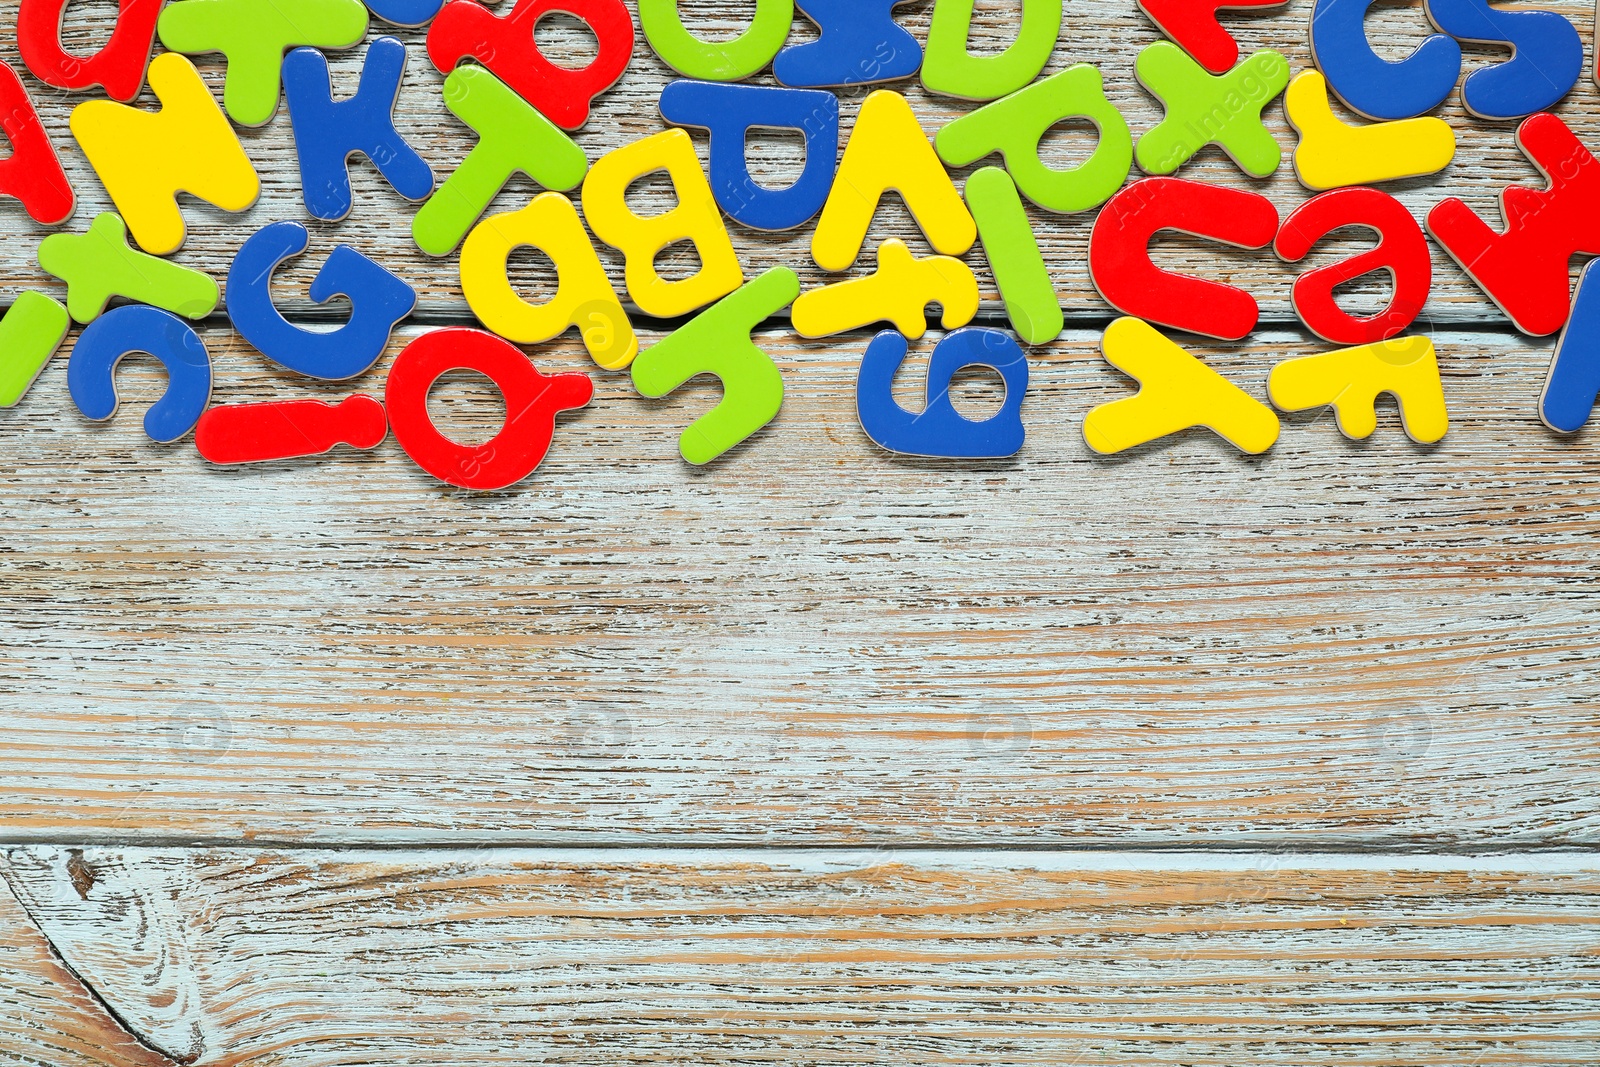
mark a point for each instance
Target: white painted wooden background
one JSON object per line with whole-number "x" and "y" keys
{"x": 818, "y": 755}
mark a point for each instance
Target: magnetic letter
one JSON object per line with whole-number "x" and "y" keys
{"x": 728, "y": 113}
{"x": 939, "y": 430}
{"x": 1194, "y": 26}
{"x": 145, "y": 160}
{"x": 32, "y": 173}
{"x": 584, "y": 297}
{"x": 1013, "y": 253}
{"x": 640, "y": 240}
{"x": 505, "y": 44}
{"x": 1402, "y": 251}
{"x": 288, "y": 429}
{"x": 1332, "y": 154}
{"x": 949, "y": 69}
{"x": 513, "y": 138}
{"x": 1119, "y": 253}
{"x": 99, "y": 265}
{"x": 1204, "y": 109}
{"x": 532, "y": 398}
{"x": 30, "y": 333}
{"x": 1351, "y": 380}
{"x": 137, "y": 328}
{"x": 1015, "y": 126}
{"x": 1574, "y": 380}
{"x": 1546, "y": 57}
{"x": 1372, "y": 87}
{"x": 722, "y": 61}
{"x": 378, "y": 300}
{"x": 1524, "y": 269}
{"x": 326, "y": 133}
{"x": 254, "y": 36}
{"x": 888, "y": 150}
{"x": 119, "y": 65}
{"x": 899, "y": 291}
{"x": 718, "y": 342}
{"x": 860, "y": 44}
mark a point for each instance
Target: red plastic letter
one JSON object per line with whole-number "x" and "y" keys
{"x": 1402, "y": 251}
{"x": 504, "y": 44}
{"x": 33, "y": 172}
{"x": 118, "y": 67}
{"x": 1524, "y": 269}
{"x": 1193, "y": 25}
{"x": 288, "y": 429}
{"x": 1119, "y": 253}
{"x": 532, "y": 401}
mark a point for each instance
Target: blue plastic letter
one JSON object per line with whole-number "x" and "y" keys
{"x": 91, "y": 373}
{"x": 327, "y": 134}
{"x": 379, "y": 301}
{"x": 1376, "y": 87}
{"x": 1574, "y": 381}
{"x": 405, "y": 12}
{"x": 1546, "y": 61}
{"x": 860, "y": 44}
{"x": 728, "y": 112}
{"x": 940, "y": 430}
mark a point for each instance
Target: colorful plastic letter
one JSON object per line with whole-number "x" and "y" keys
{"x": 1332, "y": 154}
{"x": 30, "y": 333}
{"x": 378, "y": 299}
{"x": 950, "y": 70}
{"x": 1015, "y": 126}
{"x": 939, "y": 430}
{"x": 1402, "y": 250}
{"x": 1176, "y": 392}
{"x": 1352, "y": 379}
{"x": 1574, "y": 380}
{"x": 729, "y": 113}
{"x": 1205, "y": 109}
{"x": 1371, "y": 86}
{"x": 899, "y": 291}
{"x": 99, "y": 265}
{"x": 119, "y": 65}
{"x": 327, "y": 134}
{"x": 145, "y": 160}
{"x": 289, "y": 429}
{"x": 640, "y": 240}
{"x": 405, "y": 12}
{"x": 513, "y": 138}
{"x": 1013, "y": 253}
{"x": 32, "y": 172}
{"x": 505, "y": 44}
{"x": 1119, "y": 253}
{"x": 584, "y": 297}
{"x": 1546, "y": 56}
{"x": 123, "y": 331}
{"x": 718, "y": 342}
{"x": 860, "y": 44}
{"x": 1194, "y": 26}
{"x": 532, "y": 398}
{"x": 1524, "y": 269}
{"x": 888, "y": 150}
{"x": 254, "y": 36}
{"x": 720, "y": 61}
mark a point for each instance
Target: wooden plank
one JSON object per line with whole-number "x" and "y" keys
{"x": 1109, "y": 36}
{"x": 490, "y": 957}
{"x": 47, "y": 1015}
{"x": 1369, "y": 644}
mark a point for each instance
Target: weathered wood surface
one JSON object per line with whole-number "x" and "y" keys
{"x": 490, "y": 957}
{"x": 1339, "y": 643}
{"x": 47, "y": 1015}
{"x": 1109, "y": 35}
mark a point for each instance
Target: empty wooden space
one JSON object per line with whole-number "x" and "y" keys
{"x": 818, "y": 755}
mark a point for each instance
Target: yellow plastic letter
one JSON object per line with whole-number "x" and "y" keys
{"x": 1177, "y": 392}
{"x": 888, "y": 150}
{"x": 1332, "y": 154}
{"x": 145, "y": 160}
{"x": 899, "y": 291}
{"x": 640, "y": 240}
{"x": 584, "y": 297}
{"x": 1351, "y": 379}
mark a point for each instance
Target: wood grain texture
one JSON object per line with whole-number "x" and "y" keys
{"x": 1374, "y": 645}
{"x": 491, "y": 957}
{"x": 47, "y": 1015}
{"x": 1107, "y": 35}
